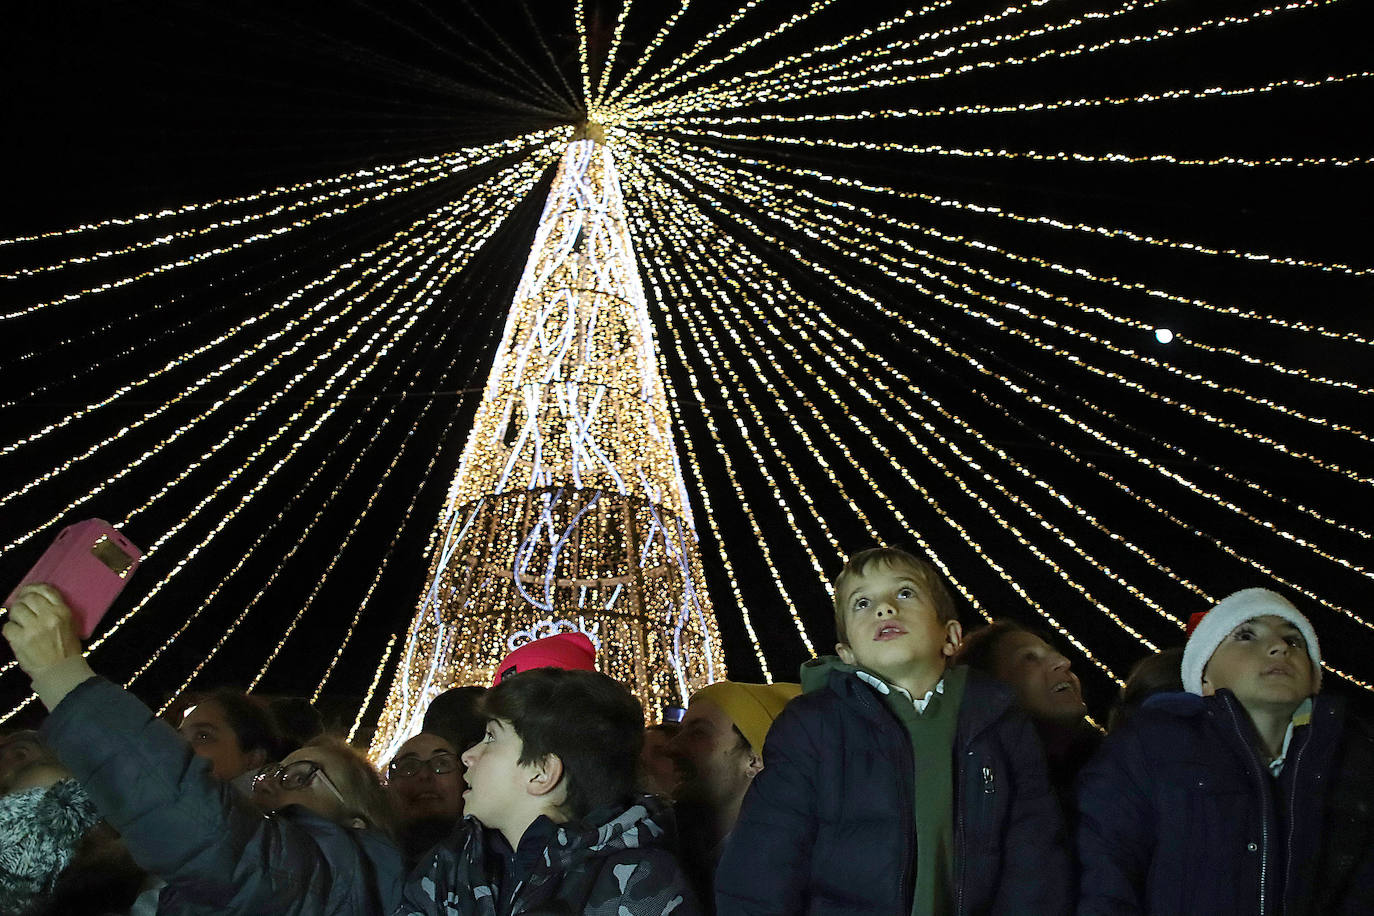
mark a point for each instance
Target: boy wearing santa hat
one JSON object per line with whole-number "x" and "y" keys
{"x": 1246, "y": 793}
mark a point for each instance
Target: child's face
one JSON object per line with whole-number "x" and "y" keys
{"x": 497, "y": 781}
{"x": 212, "y": 737}
{"x": 1264, "y": 662}
{"x": 891, "y": 626}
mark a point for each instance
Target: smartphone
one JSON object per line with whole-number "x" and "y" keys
{"x": 89, "y": 564}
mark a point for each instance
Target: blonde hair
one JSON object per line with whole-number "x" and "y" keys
{"x": 932, "y": 584}
{"x": 358, "y": 783}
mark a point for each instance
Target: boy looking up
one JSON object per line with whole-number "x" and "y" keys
{"x": 896, "y": 783}
{"x": 552, "y": 823}
{"x": 1248, "y": 793}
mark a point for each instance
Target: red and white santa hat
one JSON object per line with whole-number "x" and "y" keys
{"x": 1209, "y": 629}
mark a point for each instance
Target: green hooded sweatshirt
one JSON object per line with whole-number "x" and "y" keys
{"x": 932, "y": 748}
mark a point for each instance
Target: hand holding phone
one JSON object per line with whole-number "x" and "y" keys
{"x": 39, "y": 629}
{"x": 89, "y": 564}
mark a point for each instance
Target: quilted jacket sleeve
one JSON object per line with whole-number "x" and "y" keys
{"x": 1036, "y": 871}
{"x": 215, "y": 850}
{"x": 766, "y": 867}
{"x": 1114, "y": 828}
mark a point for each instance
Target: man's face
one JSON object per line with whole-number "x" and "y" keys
{"x": 660, "y": 769}
{"x": 891, "y": 626}
{"x": 712, "y": 759}
{"x": 1040, "y": 675}
{"x": 498, "y": 783}
{"x": 423, "y": 793}
{"x": 1264, "y": 662}
{"x": 211, "y": 737}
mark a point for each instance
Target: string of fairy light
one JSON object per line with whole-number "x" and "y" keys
{"x": 504, "y": 192}
{"x": 736, "y": 184}
{"x": 678, "y": 219}
{"x": 797, "y": 481}
{"x": 782, "y": 274}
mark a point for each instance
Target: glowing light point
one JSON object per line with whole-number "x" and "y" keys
{"x": 1164, "y": 335}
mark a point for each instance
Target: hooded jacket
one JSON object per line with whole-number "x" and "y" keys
{"x": 1178, "y": 814}
{"x": 216, "y": 851}
{"x": 614, "y": 863}
{"x": 827, "y": 825}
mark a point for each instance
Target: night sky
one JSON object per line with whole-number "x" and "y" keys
{"x": 119, "y": 108}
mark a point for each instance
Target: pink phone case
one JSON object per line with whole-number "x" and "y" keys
{"x": 88, "y": 564}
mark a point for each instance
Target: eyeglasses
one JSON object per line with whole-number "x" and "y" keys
{"x": 409, "y": 765}
{"x": 295, "y": 776}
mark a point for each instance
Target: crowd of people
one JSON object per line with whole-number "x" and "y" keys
{"x": 918, "y": 770}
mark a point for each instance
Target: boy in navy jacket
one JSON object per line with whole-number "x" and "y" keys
{"x": 1248, "y": 793}
{"x": 897, "y": 784}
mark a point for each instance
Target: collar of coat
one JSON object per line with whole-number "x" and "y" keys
{"x": 985, "y": 701}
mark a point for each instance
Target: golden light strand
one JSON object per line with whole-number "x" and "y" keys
{"x": 530, "y": 173}
{"x": 316, "y": 331}
{"x": 929, "y": 500}
{"x": 964, "y": 307}
{"x": 796, "y": 89}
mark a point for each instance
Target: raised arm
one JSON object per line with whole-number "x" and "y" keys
{"x": 211, "y": 845}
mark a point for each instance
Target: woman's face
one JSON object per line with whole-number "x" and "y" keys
{"x": 317, "y": 795}
{"x": 212, "y": 737}
{"x": 426, "y": 793}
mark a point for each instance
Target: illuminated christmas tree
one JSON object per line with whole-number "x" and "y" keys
{"x": 568, "y": 511}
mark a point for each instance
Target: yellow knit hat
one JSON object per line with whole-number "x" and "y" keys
{"x": 752, "y": 707}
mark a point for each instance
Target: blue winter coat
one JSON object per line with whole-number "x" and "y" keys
{"x": 827, "y": 825}
{"x": 1178, "y": 814}
{"x": 217, "y": 852}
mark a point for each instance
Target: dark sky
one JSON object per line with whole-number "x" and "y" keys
{"x": 118, "y": 108}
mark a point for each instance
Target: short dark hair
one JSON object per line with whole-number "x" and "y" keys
{"x": 456, "y": 716}
{"x": 297, "y": 719}
{"x": 1159, "y": 672}
{"x": 251, "y": 721}
{"x": 979, "y": 648}
{"x": 931, "y": 582}
{"x": 593, "y": 724}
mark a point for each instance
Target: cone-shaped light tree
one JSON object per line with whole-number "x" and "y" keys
{"x": 568, "y": 511}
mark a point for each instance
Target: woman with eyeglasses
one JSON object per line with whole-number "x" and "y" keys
{"x": 325, "y": 850}
{"x": 425, "y": 781}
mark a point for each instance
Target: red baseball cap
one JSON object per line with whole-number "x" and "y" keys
{"x": 573, "y": 651}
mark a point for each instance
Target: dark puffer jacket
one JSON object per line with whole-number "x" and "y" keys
{"x": 216, "y": 851}
{"x": 618, "y": 864}
{"x": 827, "y": 826}
{"x": 1177, "y": 814}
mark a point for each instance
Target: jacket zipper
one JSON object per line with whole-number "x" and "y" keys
{"x": 1264, "y": 808}
{"x": 1293, "y": 807}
